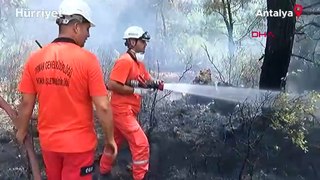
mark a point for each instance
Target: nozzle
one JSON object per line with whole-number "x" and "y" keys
{"x": 155, "y": 85}
{"x": 160, "y": 87}
{"x": 140, "y": 82}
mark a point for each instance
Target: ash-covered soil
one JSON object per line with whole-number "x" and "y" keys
{"x": 191, "y": 141}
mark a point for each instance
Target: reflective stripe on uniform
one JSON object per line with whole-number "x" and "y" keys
{"x": 140, "y": 162}
{"x": 107, "y": 153}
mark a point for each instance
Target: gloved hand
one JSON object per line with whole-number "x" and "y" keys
{"x": 142, "y": 91}
{"x": 155, "y": 84}
{"x": 140, "y": 83}
{"x": 137, "y": 83}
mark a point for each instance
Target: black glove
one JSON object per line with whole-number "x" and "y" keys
{"x": 139, "y": 82}
{"x": 155, "y": 84}
{"x": 136, "y": 84}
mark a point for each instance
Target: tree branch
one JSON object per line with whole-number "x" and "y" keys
{"x": 314, "y": 49}
{"x": 164, "y": 26}
{"x": 311, "y": 12}
{"x": 250, "y": 27}
{"x": 152, "y": 121}
{"x": 188, "y": 67}
{"x": 309, "y": 24}
{"x": 311, "y": 5}
{"x": 211, "y": 61}
{"x": 301, "y": 57}
{"x": 315, "y": 24}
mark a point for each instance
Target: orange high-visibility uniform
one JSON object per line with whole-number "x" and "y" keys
{"x": 125, "y": 110}
{"x": 65, "y": 77}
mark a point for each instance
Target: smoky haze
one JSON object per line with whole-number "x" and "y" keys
{"x": 177, "y": 33}
{"x": 111, "y": 19}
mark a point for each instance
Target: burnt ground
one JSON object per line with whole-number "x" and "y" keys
{"x": 168, "y": 162}
{"x": 14, "y": 165}
{"x": 191, "y": 141}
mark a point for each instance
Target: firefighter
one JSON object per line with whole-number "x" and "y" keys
{"x": 66, "y": 79}
{"x": 129, "y": 81}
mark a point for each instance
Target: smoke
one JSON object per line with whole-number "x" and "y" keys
{"x": 111, "y": 19}
{"x": 303, "y": 71}
{"x": 178, "y": 31}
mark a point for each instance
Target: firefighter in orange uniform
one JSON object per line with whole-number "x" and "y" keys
{"x": 66, "y": 79}
{"x": 129, "y": 81}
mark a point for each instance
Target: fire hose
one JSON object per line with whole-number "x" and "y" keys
{"x": 28, "y": 142}
{"x": 30, "y": 152}
{"x": 31, "y": 156}
{"x": 141, "y": 83}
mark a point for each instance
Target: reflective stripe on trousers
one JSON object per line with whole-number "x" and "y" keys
{"x": 127, "y": 128}
{"x": 140, "y": 162}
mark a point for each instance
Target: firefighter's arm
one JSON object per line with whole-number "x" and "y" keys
{"x": 120, "y": 88}
{"x": 100, "y": 99}
{"x": 104, "y": 114}
{"x": 27, "y": 102}
{"x": 119, "y": 77}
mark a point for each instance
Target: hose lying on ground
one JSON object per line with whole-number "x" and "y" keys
{"x": 28, "y": 143}
{"x": 31, "y": 155}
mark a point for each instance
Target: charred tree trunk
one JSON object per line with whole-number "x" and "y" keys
{"x": 278, "y": 47}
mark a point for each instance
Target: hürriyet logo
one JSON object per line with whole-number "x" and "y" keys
{"x": 32, "y": 13}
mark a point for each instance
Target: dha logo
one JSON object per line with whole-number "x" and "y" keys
{"x": 297, "y": 10}
{"x": 258, "y": 34}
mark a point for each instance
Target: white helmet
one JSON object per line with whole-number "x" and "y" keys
{"x": 72, "y": 7}
{"x": 136, "y": 32}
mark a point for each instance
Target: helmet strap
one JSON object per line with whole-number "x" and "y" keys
{"x": 128, "y": 44}
{"x": 132, "y": 54}
{"x": 65, "y": 19}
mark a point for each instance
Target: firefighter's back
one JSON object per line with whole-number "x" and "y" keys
{"x": 60, "y": 75}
